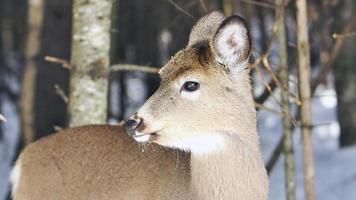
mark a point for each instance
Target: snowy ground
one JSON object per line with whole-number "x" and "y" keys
{"x": 335, "y": 168}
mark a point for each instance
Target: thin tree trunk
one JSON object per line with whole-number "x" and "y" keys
{"x": 228, "y": 7}
{"x": 289, "y": 163}
{"x": 345, "y": 73}
{"x": 35, "y": 16}
{"x": 305, "y": 97}
{"x": 90, "y": 62}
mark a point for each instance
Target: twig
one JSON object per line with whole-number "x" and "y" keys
{"x": 58, "y": 128}
{"x": 335, "y": 52}
{"x": 266, "y": 92}
{"x": 277, "y": 81}
{"x": 344, "y": 35}
{"x": 2, "y": 118}
{"x": 265, "y": 62}
{"x": 181, "y": 9}
{"x": 267, "y": 86}
{"x": 258, "y": 3}
{"x": 261, "y": 106}
{"x": 131, "y": 67}
{"x": 203, "y": 5}
{"x": 61, "y": 61}
{"x": 61, "y": 93}
{"x": 113, "y": 68}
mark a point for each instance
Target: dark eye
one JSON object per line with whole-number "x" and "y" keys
{"x": 190, "y": 86}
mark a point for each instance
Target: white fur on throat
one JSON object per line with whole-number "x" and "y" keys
{"x": 15, "y": 177}
{"x": 201, "y": 143}
{"x": 139, "y": 137}
{"x": 230, "y": 35}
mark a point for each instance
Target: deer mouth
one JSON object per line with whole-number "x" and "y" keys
{"x": 144, "y": 138}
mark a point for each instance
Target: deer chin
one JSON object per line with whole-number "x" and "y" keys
{"x": 199, "y": 143}
{"x": 144, "y": 137}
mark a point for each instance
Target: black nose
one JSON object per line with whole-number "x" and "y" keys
{"x": 131, "y": 126}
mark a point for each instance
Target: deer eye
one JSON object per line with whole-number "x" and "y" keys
{"x": 190, "y": 86}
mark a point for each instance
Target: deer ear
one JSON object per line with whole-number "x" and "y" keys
{"x": 205, "y": 28}
{"x": 232, "y": 42}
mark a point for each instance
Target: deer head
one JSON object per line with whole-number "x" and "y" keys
{"x": 205, "y": 95}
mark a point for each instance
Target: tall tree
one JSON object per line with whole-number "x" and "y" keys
{"x": 13, "y": 26}
{"x": 305, "y": 98}
{"x": 345, "y": 71}
{"x": 90, "y": 61}
{"x": 35, "y": 16}
{"x": 286, "y": 119}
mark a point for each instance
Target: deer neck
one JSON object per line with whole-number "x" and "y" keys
{"x": 234, "y": 171}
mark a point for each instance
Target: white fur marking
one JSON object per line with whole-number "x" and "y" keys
{"x": 202, "y": 143}
{"x": 192, "y": 96}
{"x": 15, "y": 178}
{"x": 139, "y": 137}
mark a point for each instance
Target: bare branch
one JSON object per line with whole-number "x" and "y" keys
{"x": 262, "y": 107}
{"x": 333, "y": 55}
{"x": 322, "y": 73}
{"x": 61, "y": 61}
{"x": 61, "y": 93}
{"x": 2, "y": 118}
{"x": 267, "y": 86}
{"x": 283, "y": 87}
{"x": 259, "y": 3}
{"x": 178, "y": 7}
{"x": 202, "y": 3}
{"x": 266, "y": 92}
{"x": 131, "y": 67}
{"x": 58, "y": 128}
{"x": 344, "y": 35}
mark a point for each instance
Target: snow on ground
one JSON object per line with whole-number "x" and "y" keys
{"x": 335, "y": 168}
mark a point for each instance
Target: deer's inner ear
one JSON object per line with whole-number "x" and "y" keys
{"x": 232, "y": 42}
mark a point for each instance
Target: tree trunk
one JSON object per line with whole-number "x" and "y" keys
{"x": 90, "y": 62}
{"x": 228, "y": 7}
{"x": 35, "y": 15}
{"x": 345, "y": 75}
{"x": 13, "y": 26}
{"x": 345, "y": 82}
{"x": 289, "y": 168}
{"x": 305, "y": 94}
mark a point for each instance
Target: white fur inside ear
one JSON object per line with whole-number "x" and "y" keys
{"x": 15, "y": 177}
{"x": 232, "y": 42}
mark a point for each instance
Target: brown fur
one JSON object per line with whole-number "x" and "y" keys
{"x": 100, "y": 162}
{"x": 219, "y": 156}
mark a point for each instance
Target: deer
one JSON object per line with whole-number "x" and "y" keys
{"x": 195, "y": 138}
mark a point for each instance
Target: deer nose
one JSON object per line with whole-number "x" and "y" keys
{"x": 131, "y": 126}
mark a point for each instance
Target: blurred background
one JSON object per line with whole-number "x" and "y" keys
{"x": 35, "y": 49}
